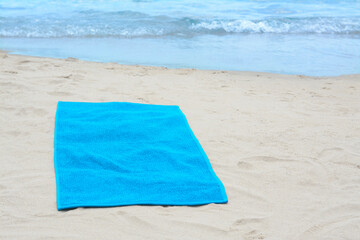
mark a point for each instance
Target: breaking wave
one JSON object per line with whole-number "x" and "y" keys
{"x": 129, "y": 24}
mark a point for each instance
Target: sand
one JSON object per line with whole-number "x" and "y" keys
{"x": 287, "y": 149}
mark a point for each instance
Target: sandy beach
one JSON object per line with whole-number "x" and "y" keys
{"x": 286, "y": 147}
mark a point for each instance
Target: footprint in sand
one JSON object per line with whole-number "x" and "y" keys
{"x": 23, "y": 62}
{"x": 249, "y": 226}
{"x": 11, "y": 72}
{"x": 60, "y": 94}
{"x": 244, "y": 165}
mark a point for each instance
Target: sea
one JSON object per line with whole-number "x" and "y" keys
{"x": 307, "y": 37}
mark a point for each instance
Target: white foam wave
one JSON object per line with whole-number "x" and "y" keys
{"x": 147, "y": 26}
{"x": 296, "y": 25}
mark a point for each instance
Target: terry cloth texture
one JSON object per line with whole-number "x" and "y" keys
{"x": 117, "y": 153}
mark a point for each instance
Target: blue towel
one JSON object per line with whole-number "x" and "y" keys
{"x": 117, "y": 153}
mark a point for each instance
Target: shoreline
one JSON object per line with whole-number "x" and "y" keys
{"x": 286, "y": 148}
{"x": 171, "y": 68}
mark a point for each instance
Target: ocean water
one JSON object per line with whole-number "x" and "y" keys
{"x": 309, "y": 37}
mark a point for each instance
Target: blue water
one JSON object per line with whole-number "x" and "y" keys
{"x": 310, "y": 37}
